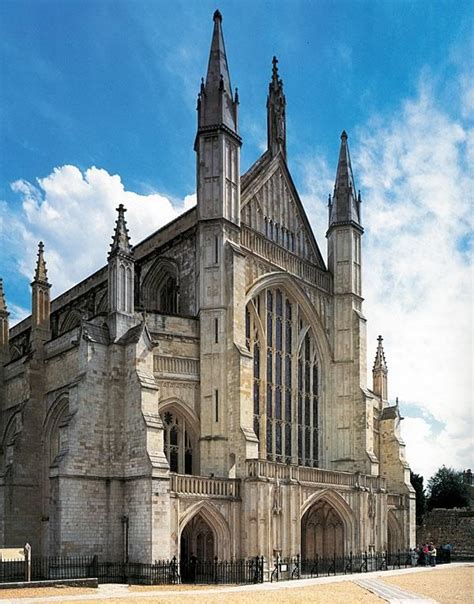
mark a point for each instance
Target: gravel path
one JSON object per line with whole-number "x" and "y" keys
{"x": 447, "y": 584}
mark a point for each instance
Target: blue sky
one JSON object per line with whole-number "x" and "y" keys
{"x": 98, "y": 106}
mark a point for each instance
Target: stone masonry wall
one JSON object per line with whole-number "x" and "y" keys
{"x": 449, "y": 526}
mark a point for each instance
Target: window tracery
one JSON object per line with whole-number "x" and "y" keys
{"x": 286, "y": 379}
{"x": 177, "y": 444}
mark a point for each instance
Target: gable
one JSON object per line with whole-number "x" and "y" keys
{"x": 270, "y": 205}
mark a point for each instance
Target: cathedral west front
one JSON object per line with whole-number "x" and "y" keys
{"x": 205, "y": 392}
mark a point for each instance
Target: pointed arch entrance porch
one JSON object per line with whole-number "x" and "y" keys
{"x": 327, "y": 526}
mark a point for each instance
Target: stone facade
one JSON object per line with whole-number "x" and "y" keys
{"x": 206, "y": 391}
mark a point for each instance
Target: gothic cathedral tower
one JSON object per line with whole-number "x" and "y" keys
{"x": 218, "y": 204}
{"x": 350, "y": 450}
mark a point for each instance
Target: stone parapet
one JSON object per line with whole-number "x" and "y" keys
{"x": 257, "y": 468}
{"x": 201, "y": 485}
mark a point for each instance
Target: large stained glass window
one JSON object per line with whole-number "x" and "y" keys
{"x": 285, "y": 379}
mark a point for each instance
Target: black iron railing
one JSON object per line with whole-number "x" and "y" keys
{"x": 246, "y": 571}
{"x": 365, "y": 562}
{"x": 162, "y": 572}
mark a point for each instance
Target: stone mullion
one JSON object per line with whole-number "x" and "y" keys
{"x": 263, "y": 378}
{"x": 273, "y": 384}
{"x": 182, "y": 448}
{"x": 294, "y": 383}
{"x": 283, "y": 378}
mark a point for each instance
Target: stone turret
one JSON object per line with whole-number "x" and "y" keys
{"x": 120, "y": 279}
{"x": 4, "y": 314}
{"x": 276, "y": 113}
{"x": 379, "y": 372}
{"x": 350, "y": 348}
{"x": 41, "y": 303}
{"x": 217, "y": 141}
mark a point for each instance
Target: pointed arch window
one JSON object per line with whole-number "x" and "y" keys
{"x": 286, "y": 378}
{"x": 178, "y": 444}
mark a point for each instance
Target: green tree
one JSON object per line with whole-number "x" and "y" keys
{"x": 417, "y": 483}
{"x": 446, "y": 489}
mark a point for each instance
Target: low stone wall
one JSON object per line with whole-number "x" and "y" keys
{"x": 454, "y": 526}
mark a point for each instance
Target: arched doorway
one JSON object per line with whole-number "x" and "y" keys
{"x": 197, "y": 539}
{"x": 197, "y": 549}
{"x": 394, "y": 534}
{"x": 322, "y": 532}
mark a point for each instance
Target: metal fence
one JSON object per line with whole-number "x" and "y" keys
{"x": 365, "y": 562}
{"x": 163, "y": 572}
{"x": 168, "y": 572}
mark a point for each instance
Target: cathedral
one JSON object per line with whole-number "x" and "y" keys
{"x": 205, "y": 392}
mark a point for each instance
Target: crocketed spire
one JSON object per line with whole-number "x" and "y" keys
{"x": 276, "y": 113}
{"x": 379, "y": 371}
{"x": 41, "y": 272}
{"x": 120, "y": 240}
{"x": 380, "y": 363}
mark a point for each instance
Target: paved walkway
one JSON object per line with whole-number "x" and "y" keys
{"x": 390, "y": 593}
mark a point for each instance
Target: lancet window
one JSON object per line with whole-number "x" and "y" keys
{"x": 178, "y": 444}
{"x": 286, "y": 379}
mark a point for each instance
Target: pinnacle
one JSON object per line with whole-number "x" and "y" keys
{"x": 344, "y": 136}
{"x": 41, "y": 272}
{"x": 121, "y": 240}
{"x": 380, "y": 363}
{"x": 217, "y": 15}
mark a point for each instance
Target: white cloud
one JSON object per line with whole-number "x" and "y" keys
{"x": 74, "y": 214}
{"x": 417, "y": 186}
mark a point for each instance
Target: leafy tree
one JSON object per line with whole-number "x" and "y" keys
{"x": 417, "y": 483}
{"x": 447, "y": 489}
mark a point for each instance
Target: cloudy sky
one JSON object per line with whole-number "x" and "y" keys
{"x": 98, "y": 107}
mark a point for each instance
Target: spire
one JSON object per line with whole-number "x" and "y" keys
{"x": 120, "y": 240}
{"x": 216, "y": 104}
{"x": 345, "y": 206}
{"x": 3, "y": 304}
{"x": 276, "y": 113}
{"x": 41, "y": 273}
{"x": 379, "y": 371}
